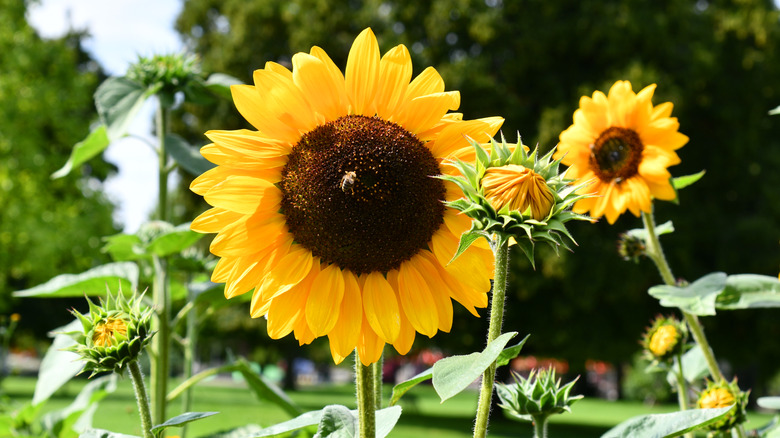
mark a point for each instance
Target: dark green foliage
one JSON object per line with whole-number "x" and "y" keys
{"x": 47, "y": 227}
{"x": 530, "y": 61}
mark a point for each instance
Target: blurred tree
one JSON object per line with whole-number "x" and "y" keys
{"x": 47, "y": 227}
{"x": 530, "y": 61}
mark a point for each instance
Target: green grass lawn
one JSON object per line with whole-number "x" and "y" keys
{"x": 423, "y": 416}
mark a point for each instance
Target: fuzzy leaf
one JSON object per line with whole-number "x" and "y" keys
{"x": 641, "y": 233}
{"x": 402, "y": 388}
{"x": 385, "y": 421}
{"x": 694, "y": 366}
{"x": 774, "y": 111}
{"x": 118, "y": 100}
{"x": 173, "y": 241}
{"x": 746, "y": 291}
{"x": 188, "y": 157}
{"x": 769, "y": 402}
{"x": 337, "y": 422}
{"x": 453, "y": 374}
{"x": 95, "y": 143}
{"x": 124, "y": 247}
{"x": 180, "y": 420}
{"x": 681, "y": 182}
{"x": 90, "y": 283}
{"x": 666, "y": 425}
{"x": 58, "y": 366}
{"x": 466, "y": 239}
{"x": 510, "y": 353}
{"x": 100, "y": 433}
{"x": 266, "y": 390}
{"x": 697, "y": 298}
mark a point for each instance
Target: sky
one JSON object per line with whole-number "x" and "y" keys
{"x": 120, "y": 31}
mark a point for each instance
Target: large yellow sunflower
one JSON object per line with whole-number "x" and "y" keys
{"x": 624, "y": 144}
{"x": 330, "y": 213}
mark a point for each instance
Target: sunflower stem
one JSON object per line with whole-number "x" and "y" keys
{"x": 540, "y": 427}
{"x": 656, "y": 254}
{"x": 140, "y": 395}
{"x": 366, "y": 398}
{"x": 378, "y": 382}
{"x": 682, "y": 388}
{"x": 501, "y": 255}
{"x": 160, "y": 293}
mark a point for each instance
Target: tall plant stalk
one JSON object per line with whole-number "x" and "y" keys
{"x": 160, "y": 365}
{"x": 501, "y": 254}
{"x": 366, "y": 398}
{"x": 140, "y": 396}
{"x": 656, "y": 253}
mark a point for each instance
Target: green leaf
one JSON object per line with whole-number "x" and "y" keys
{"x": 95, "y": 143}
{"x": 746, "y": 291}
{"x": 769, "y": 402}
{"x": 78, "y": 415}
{"x": 100, "y": 433}
{"x": 337, "y": 422}
{"x": 385, "y": 421}
{"x": 510, "y": 353}
{"x": 58, "y": 366}
{"x": 453, "y": 374}
{"x": 774, "y": 111}
{"x": 402, "y": 388}
{"x": 265, "y": 390}
{"x": 466, "y": 239}
{"x": 666, "y": 425}
{"x": 124, "y": 247}
{"x": 188, "y": 157}
{"x": 681, "y": 182}
{"x": 180, "y": 420}
{"x": 118, "y": 100}
{"x": 173, "y": 241}
{"x": 219, "y": 84}
{"x": 90, "y": 283}
{"x": 694, "y": 366}
{"x": 697, "y": 298}
{"x": 641, "y": 233}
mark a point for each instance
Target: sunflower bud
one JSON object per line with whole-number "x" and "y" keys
{"x": 113, "y": 335}
{"x": 664, "y": 339}
{"x": 518, "y": 188}
{"x": 513, "y": 193}
{"x": 537, "y": 397}
{"x": 166, "y": 74}
{"x": 631, "y": 247}
{"x": 720, "y": 395}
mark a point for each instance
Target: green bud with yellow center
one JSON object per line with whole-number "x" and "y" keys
{"x": 664, "y": 339}
{"x": 720, "y": 395}
{"x": 113, "y": 333}
{"x": 513, "y": 193}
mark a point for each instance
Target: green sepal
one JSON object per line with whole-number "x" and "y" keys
{"x": 680, "y": 182}
{"x": 466, "y": 240}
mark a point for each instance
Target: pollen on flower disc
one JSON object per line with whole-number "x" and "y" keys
{"x": 359, "y": 192}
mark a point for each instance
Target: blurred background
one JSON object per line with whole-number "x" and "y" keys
{"x": 526, "y": 60}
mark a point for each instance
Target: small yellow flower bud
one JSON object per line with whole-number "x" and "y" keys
{"x": 109, "y": 332}
{"x": 663, "y": 340}
{"x": 716, "y": 398}
{"x": 519, "y": 188}
{"x": 15, "y": 317}
{"x": 721, "y": 395}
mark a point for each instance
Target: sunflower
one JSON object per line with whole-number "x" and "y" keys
{"x": 329, "y": 211}
{"x": 624, "y": 145}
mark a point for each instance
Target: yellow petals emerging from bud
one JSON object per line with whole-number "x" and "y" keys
{"x": 109, "y": 332}
{"x": 720, "y": 395}
{"x": 664, "y": 340}
{"x": 518, "y": 188}
{"x": 716, "y": 398}
{"x": 15, "y": 317}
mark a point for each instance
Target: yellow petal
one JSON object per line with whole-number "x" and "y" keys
{"x": 369, "y": 346}
{"x": 362, "y": 72}
{"x": 241, "y": 194}
{"x": 439, "y": 291}
{"x": 290, "y": 270}
{"x": 381, "y": 307}
{"x": 416, "y": 300}
{"x": 247, "y": 236}
{"x": 287, "y": 309}
{"x": 456, "y": 135}
{"x": 344, "y": 336}
{"x": 324, "y": 304}
{"x": 423, "y": 112}
{"x": 427, "y": 82}
{"x": 324, "y": 90}
{"x": 253, "y": 108}
{"x": 395, "y": 71}
{"x": 284, "y": 100}
{"x": 214, "y": 219}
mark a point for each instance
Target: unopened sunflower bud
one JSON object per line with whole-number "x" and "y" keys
{"x": 537, "y": 397}
{"x": 113, "y": 335}
{"x": 631, "y": 247}
{"x": 664, "y": 339}
{"x": 518, "y": 188}
{"x": 720, "y": 395}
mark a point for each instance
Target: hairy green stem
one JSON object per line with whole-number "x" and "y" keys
{"x": 140, "y": 395}
{"x": 189, "y": 356}
{"x": 656, "y": 254}
{"x": 682, "y": 388}
{"x": 540, "y": 427}
{"x": 501, "y": 254}
{"x": 366, "y": 394}
{"x": 160, "y": 292}
{"x": 378, "y": 373}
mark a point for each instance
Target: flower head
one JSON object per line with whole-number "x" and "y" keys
{"x": 720, "y": 395}
{"x": 114, "y": 333}
{"x": 513, "y": 193}
{"x": 329, "y": 212}
{"x": 664, "y": 339}
{"x": 624, "y": 145}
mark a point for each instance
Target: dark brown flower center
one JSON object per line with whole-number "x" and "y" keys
{"x": 359, "y": 192}
{"x": 616, "y": 154}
